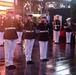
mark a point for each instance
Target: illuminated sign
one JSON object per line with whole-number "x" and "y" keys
{"x": 4, "y": 8}
{"x": 8, "y": 1}
{"x": 6, "y": 4}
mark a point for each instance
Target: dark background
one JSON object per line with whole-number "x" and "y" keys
{"x": 64, "y": 12}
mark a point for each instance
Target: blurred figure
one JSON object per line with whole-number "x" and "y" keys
{"x": 1, "y": 31}
{"x": 19, "y": 28}
{"x": 43, "y": 38}
{"x": 68, "y": 29}
{"x": 56, "y": 32}
{"x": 10, "y": 40}
{"x": 29, "y": 37}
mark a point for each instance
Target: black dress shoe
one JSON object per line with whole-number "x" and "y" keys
{"x": 67, "y": 43}
{"x": 19, "y": 43}
{"x": 30, "y": 62}
{"x": 44, "y": 60}
{"x": 56, "y": 42}
{"x": 1, "y": 45}
{"x": 11, "y": 67}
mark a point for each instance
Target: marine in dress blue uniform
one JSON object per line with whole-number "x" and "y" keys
{"x": 10, "y": 40}
{"x": 43, "y": 38}
{"x": 68, "y": 29}
{"x": 56, "y": 31}
{"x": 29, "y": 38}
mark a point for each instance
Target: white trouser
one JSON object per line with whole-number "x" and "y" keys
{"x": 19, "y": 37}
{"x": 56, "y": 36}
{"x": 1, "y": 38}
{"x": 68, "y": 37}
{"x": 9, "y": 47}
{"x": 43, "y": 49}
{"x": 28, "y": 48}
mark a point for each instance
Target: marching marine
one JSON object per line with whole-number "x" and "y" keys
{"x": 43, "y": 38}
{"x": 10, "y": 40}
{"x": 29, "y": 37}
{"x": 68, "y": 29}
{"x": 56, "y": 31}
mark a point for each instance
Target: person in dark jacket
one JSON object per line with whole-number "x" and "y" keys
{"x": 68, "y": 29}
{"x": 43, "y": 38}
{"x": 29, "y": 37}
{"x": 19, "y": 28}
{"x": 1, "y": 31}
{"x": 10, "y": 40}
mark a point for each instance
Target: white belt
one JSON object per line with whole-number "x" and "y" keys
{"x": 57, "y": 25}
{"x": 44, "y": 31}
{"x": 65, "y": 27}
{"x": 10, "y": 28}
{"x": 29, "y": 31}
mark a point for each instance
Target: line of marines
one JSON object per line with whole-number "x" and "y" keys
{"x": 14, "y": 29}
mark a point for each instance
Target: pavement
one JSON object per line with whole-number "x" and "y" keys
{"x": 62, "y": 60}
